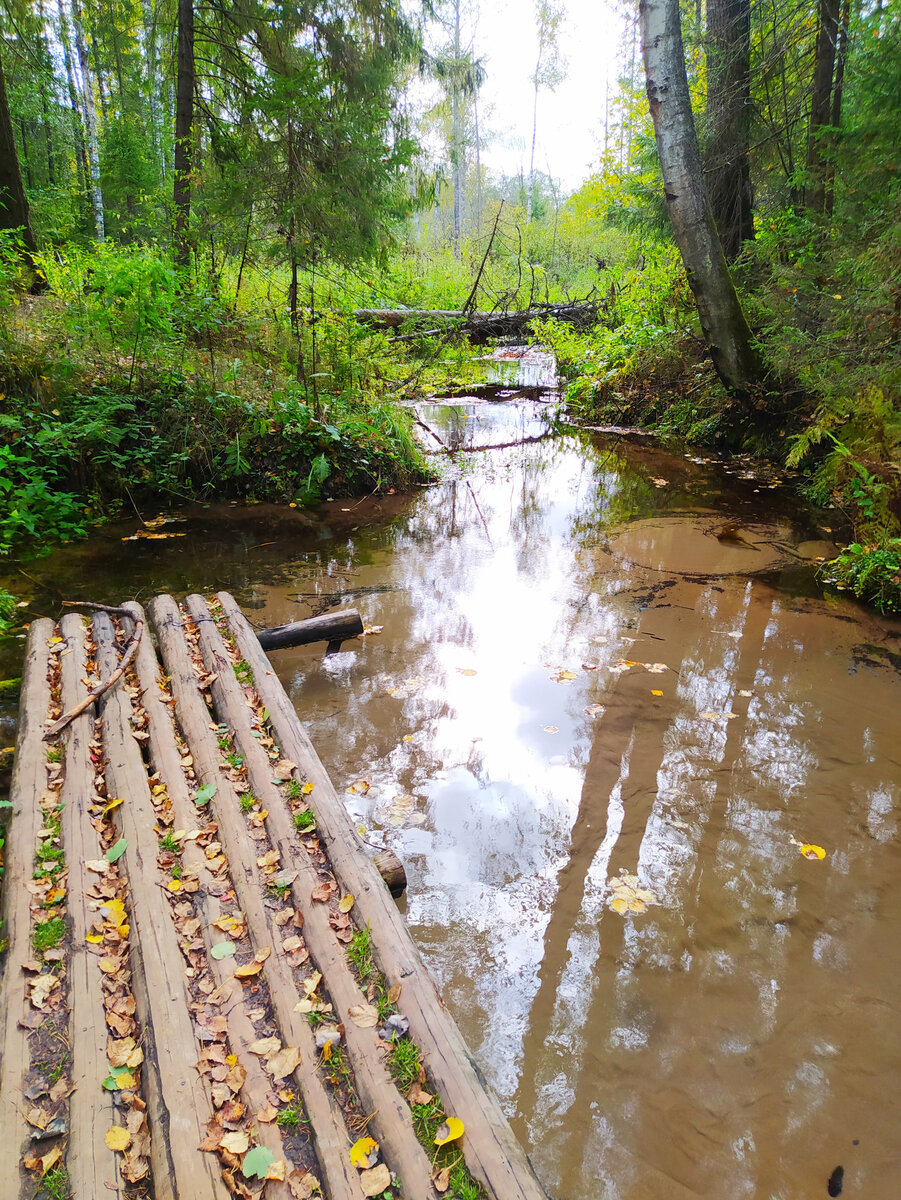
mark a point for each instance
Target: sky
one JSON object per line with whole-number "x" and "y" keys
{"x": 570, "y": 120}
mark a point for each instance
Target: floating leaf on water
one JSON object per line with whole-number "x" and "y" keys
{"x": 466, "y": 671}
{"x": 372, "y": 629}
{"x": 656, "y": 692}
{"x": 595, "y": 710}
{"x": 657, "y": 668}
{"x": 718, "y": 716}
{"x": 449, "y": 1132}
{"x": 563, "y": 676}
{"x": 359, "y": 788}
{"x": 744, "y": 692}
{"x": 257, "y": 1162}
{"x": 364, "y": 1153}
{"x": 627, "y": 896}
{"x": 551, "y": 729}
{"x": 811, "y": 851}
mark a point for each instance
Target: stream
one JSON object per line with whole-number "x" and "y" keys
{"x": 594, "y": 659}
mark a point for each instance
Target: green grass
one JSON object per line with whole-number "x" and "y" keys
{"x": 290, "y": 1117}
{"x": 405, "y": 1063}
{"x": 305, "y": 819}
{"x": 248, "y": 800}
{"x": 55, "y": 753}
{"x": 244, "y": 672}
{"x": 359, "y": 951}
{"x": 47, "y": 935}
{"x": 55, "y": 1185}
{"x": 292, "y": 790}
{"x": 170, "y": 842}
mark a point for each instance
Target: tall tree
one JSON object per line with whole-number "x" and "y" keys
{"x": 14, "y": 212}
{"x": 821, "y": 103}
{"x": 722, "y": 319}
{"x": 727, "y": 161}
{"x": 549, "y": 71}
{"x": 184, "y": 126}
{"x": 90, "y": 121}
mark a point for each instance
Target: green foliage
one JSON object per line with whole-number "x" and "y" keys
{"x": 8, "y": 604}
{"x": 359, "y": 951}
{"x": 871, "y": 571}
{"x": 47, "y": 935}
{"x": 305, "y": 819}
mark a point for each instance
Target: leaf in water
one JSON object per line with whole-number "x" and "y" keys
{"x": 116, "y": 851}
{"x": 621, "y": 665}
{"x": 627, "y": 896}
{"x": 364, "y": 1153}
{"x": 117, "y": 1138}
{"x": 466, "y": 671}
{"x": 359, "y": 788}
{"x": 551, "y": 729}
{"x": 368, "y": 629}
{"x": 656, "y": 692}
{"x": 563, "y": 676}
{"x": 449, "y": 1132}
{"x": 223, "y": 950}
{"x": 718, "y": 716}
{"x": 595, "y": 710}
{"x": 811, "y": 851}
{"x": 346, "y": 903}
{"x": 205, "y": 794}
{"x": 589, "y": 666}
{"x": 657, "y": 668}
{"x": 744, "y": 692}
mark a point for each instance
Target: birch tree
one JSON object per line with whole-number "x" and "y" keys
{"x": 550, "y": 71}
{"x": 90, "y": 121}
{"x": 722, "y": 319}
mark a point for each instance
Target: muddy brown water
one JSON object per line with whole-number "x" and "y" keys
{"x": 580, "y": 677}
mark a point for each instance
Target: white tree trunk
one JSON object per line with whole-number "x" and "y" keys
{"x": 90, "y": 122}
{"x": 151, "y": 64}
{"x": 722, "y": 319}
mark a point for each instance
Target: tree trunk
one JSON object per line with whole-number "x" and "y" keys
{"x": 531, "y": 200}
{"x": 841, "y": 56}
{"x": 90, "y": 122}
{"x": 722, "y": 319}
{"x": 727, "y": 163}
{"x": 821, "y": 103}
{"x": 184, "y": 121}
{"x": 151, "y": 41}
{"x": 81, "y": 154}
{"x": 14, "y": 212}
{"x": 457, "y": 137}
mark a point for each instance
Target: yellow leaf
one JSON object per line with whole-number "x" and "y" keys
{"x": 619, "y": 905}
{"x": 248, "y": 970}
{"x": 637, "y": 905}
{"x": 108, "y": 966}
{"x": 327, "y": 1051}
{"x": 655, "y": 692}
{"x": 94, "y": 938}
{"x": 55, "y": 641}
{"x": 50, "y": 1159}
{"x": 811, "y": 851}
{"x": 346, "y": 903}
{"x": 174, "y": 885}
{"x": 364, "y": 1153}
{"x": 231, "y": 1059}
{"x": 449, "y": 1131}
{"x": 117, "y": 1138}
{"x": 306, "y": 789}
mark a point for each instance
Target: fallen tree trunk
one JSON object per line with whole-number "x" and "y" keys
{"x": 333, "y": 628}
{"x": 478, "y": 326}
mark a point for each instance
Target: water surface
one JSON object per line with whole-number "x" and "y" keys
{"x": 600, "y": 658}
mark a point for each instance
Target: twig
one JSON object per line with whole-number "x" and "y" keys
{"x": 130, "y": 651}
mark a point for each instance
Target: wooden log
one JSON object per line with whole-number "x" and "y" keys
{"x": 392, "y": 871}
{"x": 332, "y": 628}
{"x": 91, "y": 1164}
{"x": 327, "y": 1125}
{"x": 391, "y": 1125}
{"x": 491, "y": 1151}
{"x": 165, "y": 757}
{"x": 480, "y": 326}
{"x": 177, "y": 1106}
{"x": 28, "y": 779}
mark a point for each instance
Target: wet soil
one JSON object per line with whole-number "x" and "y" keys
{"x": 578, "y": 679}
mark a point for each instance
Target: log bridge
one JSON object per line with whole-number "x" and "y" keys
{"x": 207, "y": 989}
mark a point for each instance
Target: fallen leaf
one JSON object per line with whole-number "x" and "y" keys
{"x": 364, "y": 1153}
{"x": 223, "y": 950}
{"x": 267, "y": 1114}
{"x": 276, "y": 1170}
{"x": 441, "y": 1180}
{"x": 283, "y": 1063}
{"x": 378, "y": 1179}
{"x": 265, "y": 1046}
{"x": 99, "y": 866}
{"x": 563, "y": 676}
{"x": 416, "y": 1095}
{"x": 204, "y": 794}
{"x": 346, "y": 903}
{"x": 306, "y": 789}
{"x": 449, "y": 1132}
{"x": 248, "y": 970}
{"x": 394, "y": 992}
{"x": 359, "y": 788}
{"x": 657, "y": 668}
{"x": 310, "y": 985}
{"x": 466, "y": 671}
{"x": 811, "y": 851}
{"x": 262, "y": 954}
{"x": 718, "y": 716}
{"x": 236, "y": 1142}
{"x": 118, "y": 1138}
{"x": 656, "y": 692}
{"x": 112, "y": 804}
{"x": 551, "y": 729}
{"x": 366, "y": 1016}
{"x": 50, "y": 1159}
{"x": 322, "y": 892}
{"x": 595, "y": 710}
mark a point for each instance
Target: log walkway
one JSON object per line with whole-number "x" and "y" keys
{"x": 207, "y": 988}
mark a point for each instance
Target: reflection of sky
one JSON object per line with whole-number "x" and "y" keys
{"x": 722, "y": 1043}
